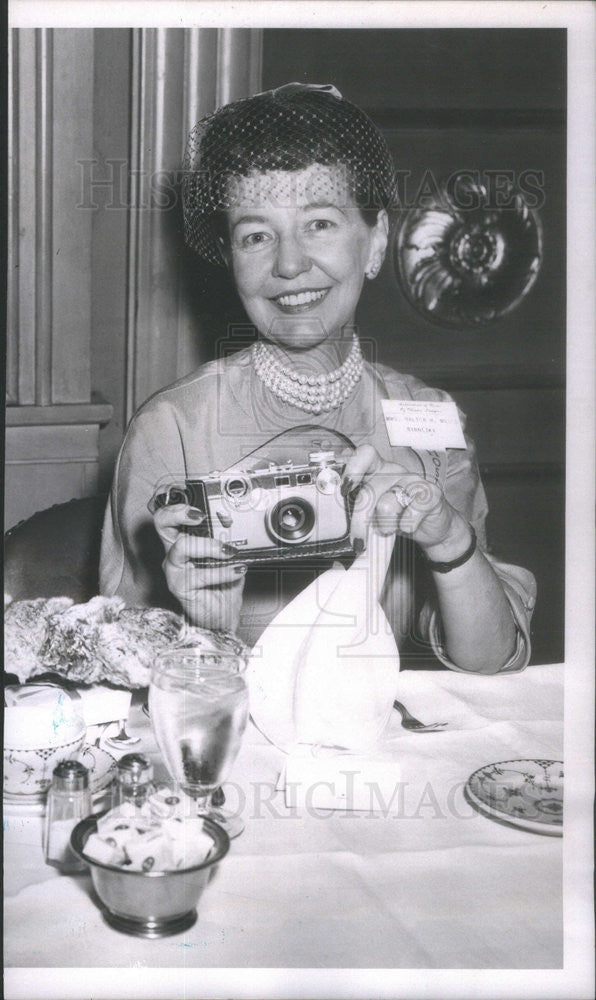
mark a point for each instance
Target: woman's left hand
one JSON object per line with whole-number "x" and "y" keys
{"x": 395, "y": 500}
{"x": 476, "y": 620}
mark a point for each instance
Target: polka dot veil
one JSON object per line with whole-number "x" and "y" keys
{"x": 287, "y": 130}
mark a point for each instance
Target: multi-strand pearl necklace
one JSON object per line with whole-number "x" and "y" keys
{"x": 313, "y": 393}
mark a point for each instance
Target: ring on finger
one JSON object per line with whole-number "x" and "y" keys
{"x": 402, "y": 496}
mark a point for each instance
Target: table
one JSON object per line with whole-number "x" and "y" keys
{"x": 435, "y": 885}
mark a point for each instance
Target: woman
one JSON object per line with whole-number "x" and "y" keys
{"x": 290, "y": 190}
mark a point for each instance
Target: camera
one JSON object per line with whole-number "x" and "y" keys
{"x": 279, "y": 511}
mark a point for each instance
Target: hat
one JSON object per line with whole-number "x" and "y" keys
{"x": 286, "y": 129}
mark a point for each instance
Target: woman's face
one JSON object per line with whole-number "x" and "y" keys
{"x": 298, "y": 250}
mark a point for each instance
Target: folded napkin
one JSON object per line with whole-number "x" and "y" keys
{"x": 97, "y": 703}
{"x": 325, "y": 670}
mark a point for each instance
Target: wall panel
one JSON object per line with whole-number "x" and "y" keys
{"x": 473, "y": 100}
{"x": 53, "y": 419}
{"x": 98, "y": 123}
{"x": 72, "y": 141}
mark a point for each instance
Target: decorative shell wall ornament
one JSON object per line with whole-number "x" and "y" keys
{"x": 462, "y": 260}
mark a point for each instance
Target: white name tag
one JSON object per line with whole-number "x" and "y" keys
{"x": 423, "y": 423}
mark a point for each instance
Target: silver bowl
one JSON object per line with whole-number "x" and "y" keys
{"x": 149, "y": 904}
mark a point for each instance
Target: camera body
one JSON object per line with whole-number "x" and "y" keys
{"x": 278, "y": 511}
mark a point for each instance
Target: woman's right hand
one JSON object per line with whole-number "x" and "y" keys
{"x": 210, "y": 596}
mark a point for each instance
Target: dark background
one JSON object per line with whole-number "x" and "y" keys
{"x": 473, "y": 100}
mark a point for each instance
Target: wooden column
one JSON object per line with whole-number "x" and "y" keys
{"x": 177, "y": 78}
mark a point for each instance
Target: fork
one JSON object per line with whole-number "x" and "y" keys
{"x": 409, "y": 722}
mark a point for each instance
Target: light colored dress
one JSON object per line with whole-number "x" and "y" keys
{"x": 213, "y": 418}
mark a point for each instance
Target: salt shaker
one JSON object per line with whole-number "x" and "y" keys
{"x": 133, "y": 783}
{"x": 68, "y": 801}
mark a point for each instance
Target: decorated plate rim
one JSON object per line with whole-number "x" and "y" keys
{"x": 494, "y": 812}
{"x": 99, "y": 777}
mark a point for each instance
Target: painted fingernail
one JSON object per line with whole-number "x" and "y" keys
{"x": 240, "y": 570}
{"x": 358, "y": 545}
{"x": 229, "y": 550}
{"x": 346, "y": 487}
{"x": 194, "y": 514}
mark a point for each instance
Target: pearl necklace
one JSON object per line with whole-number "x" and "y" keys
{"x": 313, "y": 393}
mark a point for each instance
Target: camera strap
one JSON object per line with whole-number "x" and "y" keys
{"x": 434, "y": 464}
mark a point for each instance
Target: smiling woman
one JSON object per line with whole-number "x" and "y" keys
{"x": 291, "y": 190}
{"x": 299, "y": 264}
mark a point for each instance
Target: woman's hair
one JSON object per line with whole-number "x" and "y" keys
{"x": 286, "y": 129}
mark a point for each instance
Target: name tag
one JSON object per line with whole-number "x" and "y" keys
{"x": 423, "y": 423}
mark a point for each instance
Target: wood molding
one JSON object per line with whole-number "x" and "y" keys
{"x": 48, "y": 464}
{"x": 98, "y": 411}
{"x": 159, "y": 62}
{"x": 72, "y": 143}
{"x": 21, "y": 339}
{"x": 239, "y": 61}
{"x": 133, "y": 221}
{"x": 12, "y": 298}
{"x": 44, "y": 67}
{"x": 177, "y": 78}
{"x": 51, "y": 81}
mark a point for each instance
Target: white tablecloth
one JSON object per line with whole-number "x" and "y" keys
{"x": 432, "y": 885}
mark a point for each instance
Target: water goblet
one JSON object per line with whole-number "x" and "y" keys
{"x": 198, "y": 705}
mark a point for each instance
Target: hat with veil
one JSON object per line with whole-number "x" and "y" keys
{"x": 287, "y": 129}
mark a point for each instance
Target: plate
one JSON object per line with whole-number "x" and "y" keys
{"x": 526, "y": 793}
{"x": 102, "y": 769}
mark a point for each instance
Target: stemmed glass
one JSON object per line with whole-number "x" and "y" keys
{"x": 198, "y": 705}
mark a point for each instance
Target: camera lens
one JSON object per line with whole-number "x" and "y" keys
{"x": 291, "y": 520}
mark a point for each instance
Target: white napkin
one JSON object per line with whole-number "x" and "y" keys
{"x": 325, "y": 670}
{"x": 97, "y": 703}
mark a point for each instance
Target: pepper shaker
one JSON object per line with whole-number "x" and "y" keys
{"x": 133, "y": 783}
{"x": 68, "y": 801}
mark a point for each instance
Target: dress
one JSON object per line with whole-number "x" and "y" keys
{"x": 214, "y": 417}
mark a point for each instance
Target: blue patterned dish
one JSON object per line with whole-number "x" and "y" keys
{"x": 527, "y": 793}
{"x": 102, "y": 769}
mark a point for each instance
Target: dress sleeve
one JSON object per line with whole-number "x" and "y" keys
{"x": 464, "y": 491}
{"x": 131, "y": 550}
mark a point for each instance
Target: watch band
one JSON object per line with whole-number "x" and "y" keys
{"x": 446, "y": 567}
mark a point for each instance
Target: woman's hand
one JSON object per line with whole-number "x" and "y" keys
{"x": 395, "y": 500}
{"x": 477, "y": 623}
{"x": 210, "y": 596}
